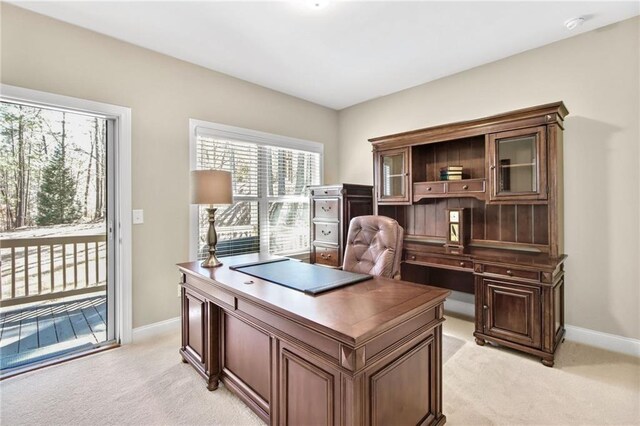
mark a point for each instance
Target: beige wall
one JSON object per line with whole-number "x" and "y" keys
{"x": 43, "y": 54}
{"x": 597, "y": 76}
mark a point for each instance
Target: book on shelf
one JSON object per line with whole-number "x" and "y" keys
{"x": 451, "y": 169}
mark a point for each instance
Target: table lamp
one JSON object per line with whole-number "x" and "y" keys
{"x": 211, "y": 187}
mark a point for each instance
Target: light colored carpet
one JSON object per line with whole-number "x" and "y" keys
{"x": 146, "y": 383}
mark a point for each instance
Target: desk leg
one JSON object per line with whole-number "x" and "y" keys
{"x": 214, "y": 346}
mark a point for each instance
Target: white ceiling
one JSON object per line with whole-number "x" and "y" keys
{"x": 345, "y": 53}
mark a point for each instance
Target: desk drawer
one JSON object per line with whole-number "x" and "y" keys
{"x": 327, "y": 256}
{"x": 327, "y": 208}
{"x": 326, "y": 232}
{"x": 424, "y": 189}
{"x": 511, "y": 272}
{"x": 443, "y": 262}
{"x": 462, "y": 186}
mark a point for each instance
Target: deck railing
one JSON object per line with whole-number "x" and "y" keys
{"x": 40, "y": 268}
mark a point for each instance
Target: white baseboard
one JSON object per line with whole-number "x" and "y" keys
{"x": 150, "y": 330}
{"x": 611, "y": 342}
{"x": 598, "y": 339}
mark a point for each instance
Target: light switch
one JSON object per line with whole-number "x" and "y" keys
{"x": 138, "y": 217}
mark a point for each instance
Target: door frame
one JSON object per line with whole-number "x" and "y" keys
{"x": 122, "y": 167}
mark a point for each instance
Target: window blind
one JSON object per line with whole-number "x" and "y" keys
{"x": 270, "y": 213}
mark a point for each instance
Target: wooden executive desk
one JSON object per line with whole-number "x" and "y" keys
{"x": 368, "y": 353}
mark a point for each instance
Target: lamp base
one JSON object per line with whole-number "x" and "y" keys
{"x": 211, "y": 262}
{"x": 212, "y": 238}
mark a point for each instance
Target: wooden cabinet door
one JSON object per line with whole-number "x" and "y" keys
{"x": 393, "y": 176}
{"x": 194, "y": 326}
{"x": 512, "y": 312}
{"x": 309, "y": 389}
{"x": 518, "y": 165}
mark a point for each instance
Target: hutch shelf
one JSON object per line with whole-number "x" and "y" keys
{"x": 507, "y": 184}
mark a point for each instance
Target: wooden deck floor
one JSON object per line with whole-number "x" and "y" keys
{"x": 44, "y": 330}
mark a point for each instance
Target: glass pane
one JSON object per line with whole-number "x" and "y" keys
{"x": 393, "y": 175}
{"x": 288, "y": 227}
{"x": 289, "y": 171}
{"x": 236, "y": 157}
{"x": 237, "y": 226}
{"x": 517, "y": 164}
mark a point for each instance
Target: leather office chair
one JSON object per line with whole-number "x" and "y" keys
{"x": 374, "y": 246}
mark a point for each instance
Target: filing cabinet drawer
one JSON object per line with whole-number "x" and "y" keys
{"x": 512, "y": 272}
{"x": 326, "y": 232}
{"x": 443, "y": 262}
{"x": 327, "y": 256}
{"x": 326, "y": 208}
{"x": 467, "y": 185}
{"x": 325, "y": 192}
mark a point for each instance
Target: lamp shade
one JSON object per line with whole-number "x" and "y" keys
{"x": 211, "y": 187}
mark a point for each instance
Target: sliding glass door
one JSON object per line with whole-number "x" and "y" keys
{"x": 56, "y": 233}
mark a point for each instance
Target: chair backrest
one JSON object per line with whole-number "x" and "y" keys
{"x": 374, "y": 246}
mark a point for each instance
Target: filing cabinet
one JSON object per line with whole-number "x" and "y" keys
{"x": 332, "y": 207}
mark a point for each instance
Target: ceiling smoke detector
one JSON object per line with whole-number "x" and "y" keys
{"x": 574, "y": 23}
{"x": 317, "y": 4}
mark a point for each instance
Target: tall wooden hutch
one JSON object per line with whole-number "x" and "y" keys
{"x": 510, "y": 251}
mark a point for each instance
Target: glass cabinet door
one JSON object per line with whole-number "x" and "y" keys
{"x": 393, "y": 175}
{"x": 518, "y": 164}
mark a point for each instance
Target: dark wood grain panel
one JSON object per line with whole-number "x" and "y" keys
{"x": 524, "y": 223}
{"x": 420, "y": 218}
{"x": 508, "y": 223}
{"x": 513, "y": 312}
{"x": 195, "y": 308}
{"x": 430, "y": 224}
{"x": 492, "y": 216}
{"x": 401, "y": 374}
{"x": 247, "y": 354}
{"x": 441, "y": 218}
{"x": 477, "y": 220}
{"x": 541, "y": 224}
{"x": 307, "y": 392}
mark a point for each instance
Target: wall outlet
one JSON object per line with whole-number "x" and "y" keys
{"x": 138, "y": 217}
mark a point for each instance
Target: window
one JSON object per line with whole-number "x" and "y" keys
{"x": 270, "y": 213}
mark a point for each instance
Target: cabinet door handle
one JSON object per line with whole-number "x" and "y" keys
{"x": 412, "y": 257}
{"x": 465, "y": 187}
{"x": 428, "y": 188}
{"x": 492, "y": 167}
{"x": 485, "y": 307}
{"x": 462, "y": 264}
{"x": 509, "y": 272}
{"x": 325, "y": 232}
{"x": 326, "y": 192}
{"x": 326, "y": 209}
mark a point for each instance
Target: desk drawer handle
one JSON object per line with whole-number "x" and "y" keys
{"x": 412, "y": 257}
{"x": 465, "y": 187}
{"x": 326, "y": 209}
{"x": 428, "y": 188}
{"x": 509, "y": 272}
{"x": 325, "y": 256}
{"x": 462, "y": 264}
{"x": 326, "y": 192}
{"x": 325, "y": 232}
